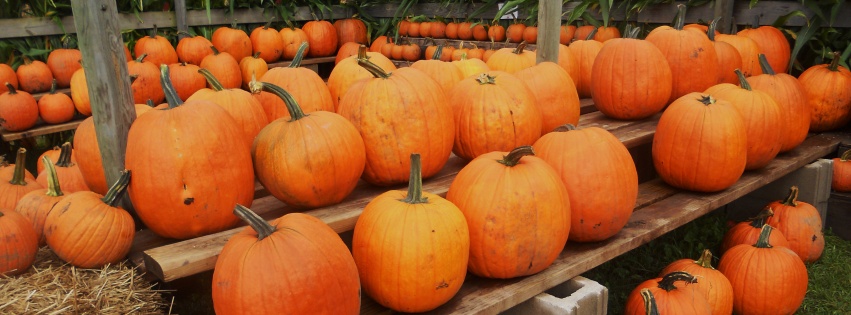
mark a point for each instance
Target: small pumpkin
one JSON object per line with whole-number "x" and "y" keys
{"x": 55, "y": 108}
{"x": 347, "y": 72}
{"x": 63, "y": 62}
{"x": 800, "y": 223}
{"x": 7, "y": 75}
{"x": 240, "y": 104}
{"x": 231, "y": 40}
{"x": 713, "y": 284}
{"x": 566, "y": 33}
{"x": 605, "y": 33}
{"x": 17, "y": 183}
{"x": 145, "y": 81}
{"x": 304, "y": 84}
{"x": 438, "y": 29}
{"x": 788, "y": 93}
{"x": 747, "y": 232}
{"x": 37, "y": 204}
{"x": 378, "y": 43}
{"x": 224, "y": 67}
{"x": 554, "y": 93}
{"x": 451, "y": 31}
{"x": 479, "y": 32}
{"x": 68, "y": 172}
{"x": 511, "y": 60}
{"x": 268, "y": 42}
{"x": 293, "y": 37}
{"x": 192, "y": 50}
{"x": 20, "y": 243}
{"x": 585, "y": 51}
{"x": 827, "y": 94}
{"x": 158, "y": 48}
{"x": 514, "y": 32}
{"x": 496, "y": 33}
{"x": 18, "y": 109}
{"x": 842, "y": 173}
{"x": 322, "y": 37}
{"x": 465, "y": 30}
{"x": 585, "y": 32}
{"x": 252, "y": 67}
{"x": 186, "y": 79}
{"x": 34, "y": 76}
{"x": 670, "y": 298}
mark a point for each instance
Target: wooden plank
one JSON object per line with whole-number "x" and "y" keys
{"x": 489, "y": 296}
{"x": 180, "y": 16}
{"x": 549, "y": 28}
{"x": 39, "y": 131}
{"x": 724, "y": 10}
{"x": 305, "y": 62}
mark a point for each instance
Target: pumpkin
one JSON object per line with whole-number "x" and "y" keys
{"x": 729, "y": 58}
{"x": 494, "y": 111}
{"x": 308, "y": 89}
{"x": 425, "y": 28}
{"x": 80, "y": 93}
{"x": 747, "y": 232}
{"x": 471, "y": 67}
{"x": 713, "y": 284}
{"x": 826, "y": 89}
{"x": 267, "y": 42}
{"x": 186, "y": 79}
{"x": 689, "y": 149}
{"x": 17, "y": 183}
{"x": 586, "y": 52}
{"x": 566, "y": 33}
{"x": 240, "y": 104}
{"x": 20, "y": 243}
{"x": 178, "y": 191}
{"x": 351, "y": 30}
{"x": 512, "y": 60}
{"x": 34, "y": 76}
{"x": 650, "y": 307}
{"x": 53, "y": 154}
{"x": 444, "y": 73}
{"x": 396, "y": 52}
{"x": 292, "y": 37}
{"x": 410, "y": 52}
{"x": 438, "y": 29}
{"x": 800, "y": 223}
{"x": 55, "y": 108}
{"x": 323, "y": 269}
{"x": 347, "y": 50}
{"x": 68, "y": 172}
{"x": 252, "y": 67}
{"x": 127, "y": 56}
{"x": 18, "y": 109}
{"x": 502, "y": 195}
{"x": 788, "y": 93}
{"x": 347, "y": 72}
{"x": 479, "y": 32}
{"x": 379, "y": 42}
{"x": 605, "y": 33}
{"x": 387, "y": 50}
{"x": 192, "y": 50}
{"x": 398, "y": 113}
{"x": 772, "y": 43}
{"x": 514, "y": 32}
{"x": 63, "y": 62}
{"x": 79, "y": 233}
{"x": 465, "y": 30}
{"x": 7, "y": 75}
{"x": 842, "y": 173}
{"x": 224, "y": 67}
{"x": 569, "y": 63}
{"x": 585, "y": 32}
{"x": 414, "y": 28}
{"x": 554, "y": 93}
{"x": 748, "y": 50}
{"x": 496, "y": 33}
{"x": 417, "y": 234}
{"x": 602, "y": 190}
{"x": 670, "y": 298}
{"x": 37, "y": 204}
{"x": 233, "y": 41}
{"x": 761, "y": 116}
{"x": 630, "y": 78}
{"x": 691, "y": 56}
{"x": 322, "y": 37}
{"x": 766, "y": 279}
{"x": 145, "y": 81}
{"x": 403, "y": 26}
{"x": 445, "y": 55}
{"x": 158, "y": 48}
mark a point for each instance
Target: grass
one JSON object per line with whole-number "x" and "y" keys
{"x": 829, "y": 290}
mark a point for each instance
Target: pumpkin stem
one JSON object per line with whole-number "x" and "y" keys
{"x": 705, "y": 259}
{"x": 437, "y": 52}
{"x": 12, "y": 90}
{"x": 650, "y": 307}
{"x": 362, "y": 52}
{"x": 154, "y": 33}
{"x": 114, "y": 192}
{"x": 256, "y": 55}
{"x": 513, "y": 157}
{"x": 485, "y": 78}
{"x": 591, "y": 35}
{"x": 299, "y": 55}
{"x": 707, "y": 100}
{"x": 374, "y": 69}
{"x": 292, "y": 106}
{"x": 266, "y": 27}
{"x": 215, "y": 50}
{"x": 766, "y": 67}
{"x": 759, "y": 220}
{"x": 565, "y": 128}
{"x": 52, "y": 87}
{"x": 520, "y": 47}
{"x": 712, "y": 26}
{"x": 764, "y": 233}
{"x": 845, "y": 156}
{"x": 217, "y": 86}
{"x": 834, "y": 65}
{"x": 415, "y": 182}
{"x": 680, "y": 20}
{"x": 257, "y": 223}
{"x": 667, "y": 282}
{"x": 743, "y": 81}
{"x": 170, "y": 93}
{"x": 18, "y": 177}
{"x": 64, "y": 155}
{"x": 150, "y": 103}
{"x": 141, "y": 58}
{"x": 53, "y": 189}
{"x": 792, "y": 199}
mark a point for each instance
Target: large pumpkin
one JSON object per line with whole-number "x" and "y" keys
{"x": 585, "y": 51}
{"x": 602, "y": 190}
{"x": 17, "y": 184}
{"x": 308, "y": 89}
{"x": 712, "y": 283}
{"x": 747, "y": 232}
{"x": 351, "y": 30}
{"x": 493, "y": 112}
{"x": 233, "y": 41}
{"x": 20, "y": 243}
{"x": 568, "y": 62}
{"x": 400, "y": 236}
{"x": 69, "y": 173}
{"x": 257, "y": 272}
{"x": 554, "y": 93}
{"x": 788, "y": 93}
{"x": 179, "y": 190}
{"x": 517, "y": 210}
{"x": 267, "y": 42}
{"x": 766, "y": 279}
{"x": 772, "y": 43}
{"x": 224, "y": 67}
{"x": 748, "y": 50}
{"x": 240, "y": 104}
{"x": 322, "y": 37}
{"x": 399, "y": 113}
{"x": 826, "y": 88}
{"x": 145, "y": 81}
{"x": 842, "y": 172}
{"x": 293, "y": 37}
{"x": 192, "y": 50}
{"x": 63, "y": 62}
{"x": 310, "y": 160}
{"x": 35, "y": 205}
{"x": 512, "y": 60}
{"x": 800, "y": 223}
{"x": 158, "y": 48}
{"x": 55, "y": 108}
{"x": 347, "y": 72}
{"x": 89, "y": 230}
{"x": 729, "y": 58}
{"x": 670, "y": 298}
{"x": 700, "y": 144}
{"x": 18, "y": 109}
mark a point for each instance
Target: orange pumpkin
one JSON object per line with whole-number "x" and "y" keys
{"x": 53, "y": 154}
{"x": 34, "y": 76}
{"x": 293, "y": 37}
{"x": 771, "y": 43}
{"x": 37, "y": 204}
{"x": 465, "y": 30}
{"x": 566, "y": 33}
{"x": 347, "y": 72}
{"x": 240, "y": 104}
{"x": 63, "y": 62}
{"x": 712, "y": 283}
{"x": 158, "y": 48}
{"x": 308, "y": 89}
{"x": 224, "y": 67}
{"x": 438, "y": 29}
{"x": 68, "y": 172}
{"x": 444, "y": 73}
{"x": 496, "y": 33}
{"x": 788, "y": 93}
{"x": 842, "y": 173}
{"x": 605, "y": 33}
{"x": 451, "y": 31}
{"x": 17, "y": 183}
{"x": 145, "y": 81}
{"x": 585, "y": 32}
{"x": 267, "y": 42}
{"x": 322, "y": 37}
{"x": 554, "y": 93}
{"x": 748, "y": 232}
{"x": 252, "y": 67}
{"x": 346, "y": 50}
{"x": 18, "y": 109}
{"x": 80, "y": 93}
{"x": 748, "y": 50}
{"x": 20, "y": 243}
{"x": 826, "y": 89}
{"x": 470, "y": 67}
{"x": 670, "y": 298}
{"x": 800, "y": 223}
{"x": 512, "y": 60}
{"x": 232, "y": 41}
{"x": 729, "y": 58}
{"x": 568, "y": 62}
{"x": 7, "y": 75}
{"x": 514, "y": 32}
{"x": 351, "y": 30}
{"x": 186, "y": 79}
{"x": 55, "y": 108}
{"x": 479, "y": 32}
{"x": 193, "y": 49}
{"x": 586, "y": 52}
{"x": 378, "y": 43}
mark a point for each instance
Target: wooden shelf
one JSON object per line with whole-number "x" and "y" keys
{"x": 305, "y": 62}
{"x": 38, "y": 131}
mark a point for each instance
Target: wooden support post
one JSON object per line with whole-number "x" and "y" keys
{"x": 106, "y": 75}
{"x": 724, "y": 9}
{"x": 180, "y": 14}
{"x": 549, "y": 22}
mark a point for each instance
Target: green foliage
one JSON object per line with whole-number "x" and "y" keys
{"x": 829, "y": 290}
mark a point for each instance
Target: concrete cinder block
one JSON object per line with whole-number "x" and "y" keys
{"x": 577, "y": 296}
{"x": 813, "y": 181}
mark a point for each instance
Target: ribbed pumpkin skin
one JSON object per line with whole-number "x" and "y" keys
{"x": 232, "y": 41}
{"x": 322, "y": 37}
{"x": 63, "y": 63}
{"x": 568, "y": 62}
{"x": 321, "y": 279}
{"x": 250, "y": 68}
{"x": 346, "y": 50}
{"x": 444, "y": 73}
{"x": 225, "y": 68}
{"x": 583, "y": 31}
{"x": 55, "y": 108}
{"x": 241, "y": 105}
{"x": 762, "y": 120}
{"x": 406, "y": 113}
{"x": 514, "y": 32}
{"x": 20, "y": 243}
{"x": 80, "y": 93}
{"x": 554, "y": 93}
{"x": 179, "y": 187}
{"x": 772, "y": 43}
{"x": 800, "y": 223}
{"x": 347, "y": 72}
{"x": 685, "y": 299}
{"x": 159, "y": 50}
{"x": 193, "y": 49}
{"x": 147, "y": 83}
{"x": 7, "y": 75}
{"x": 88, "y": 151}
{"x": 828, "y": 95}
{"x": 53, "y": 155}
{"x": 70, "y": 179}
{"x": 34, "y": 77}
{"x": 88, "y": 233}
{"x": 586, "y": 52}
{"x": 494, "y": 117}
{"x": 631, "y": 79}
{"x": 712, "y": 137}
{"x": 267, "y": 42}
{"x": 292, "y": 37}
{"x": 729, "y": 60}
{"x": 186, "y": 79}
{"x": 35, "y": 206}
{"x": 308, "y": 89}
{"x": 395, "y": 242}
{"x": 602, "y": 190}
{"x": 518, "y": 217}
{"x": 350, "y": 30}
{"x": 606, "y": 33}
{"x": 788, "y": 93}
{"x": 18, "y": 111}
{"x": 841, "y": 175}
{"x": 746, "y": 233}
{"x": 506, "y": 60}
{"x": 471, "y": 67}
{"x": 711, "y": 282}
{"x": 748, "y": 50}
{"x": 691, "y": 56}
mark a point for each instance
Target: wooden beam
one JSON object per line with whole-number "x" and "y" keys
{"x": 180, "y": 15}
{"x": 549, "y": 23}
{"x": 107, "y": 79}
{"x": 724, "y": 10}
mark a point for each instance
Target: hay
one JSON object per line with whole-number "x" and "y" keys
{"x": 54, "y": 287}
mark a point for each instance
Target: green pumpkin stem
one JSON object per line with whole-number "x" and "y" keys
{"x": 766, "y": 67}
{"x": 154, "y": 32}
{"x": 764, "y": 234}
{"x": 513, "y": 157}
{"x": 650, "y": 307}
{"x": 53, "y": 188}
{"x": 299, "y": 55}
{"x": 266, "y": 27}
{"x": 485, "y": 78}
{"x": 217, "y": 86}
{"x": 437, "y": 52}
{"x": 64, "y": 159}
{"x": 792, "y": 199}
{"x": 591, "y": 35}
{"x": 707, "y": 100}
{"x": 759, "y": 220}
{"x": 256, "y": 55}
{"x": 680, "y": 20}
{"x": 52, "y": 87}
{"x": 362, "y": 49}
{"x": 743, "y": 81}
{"x": 845, "y": 156}
{"x": 20, "y": 170}
{"x": 150, "y": 103}
{"x": 215, "y": 50}
{"x": 705, "y": 259}
{"x": 415, "y": 182}
{"x": 565, "y": 128}
{"x": 712, "y": 27}
{"x": 374, "y": 69}
{"x": 292, "y": 105}
{"x": 12, "y": 90}
{"x": 667, "y": 282}
{"x": 114, "y": 193}
{"x": 263, "y": 228}
{"x": 141, "y": 58}
{"x": 520, "y": 47}
{"x": 834, "y": 65}
{"x": 170, "y": 93}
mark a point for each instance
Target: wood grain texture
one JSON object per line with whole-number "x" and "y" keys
{"x": 39, "y": 131}
{"x": 180, "y": 18}
{"x": 549, "y": 22}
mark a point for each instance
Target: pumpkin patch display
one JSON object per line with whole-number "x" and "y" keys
{"x": 240, "y": 104}
{"x": 800, "y": 223}
{"x": 224, "y": 67}
{"x": 37, "y": 204}
{"x": 68, "y": 172}
{"x": 712, "y": 283}
{"x": 415, "y": 233}
{"x": 308, "y": 89}
{"x": 554, "y": 92}
{"x": 7, "y": 75}
{"x": 233, "y": 41}
{"x": 144, "y": 82}
{"x": 502, "y": 195}
{"x": 18, "y": 109}
{"x": 17, "y": 184}
{"x": 826, "y": 88}
{"x": 267, "y": 42}
{"x": 158, "y": 48}
{"x": 322, "y": 37}
{"x": 186, "y": 79}
{"x": 55, "y": 108}
{"x": 842, "y": 173}
{"x": 585, "y": 50}
{"x": 347, "y": 72}
{"x": 20, "y": 243}
{"x": 748, "y": 232}
{"x": 511, "y": 60}
{"x": 670, "y": 298}
{"x": 34, "y": 76}
{"x": 444, "y": 73}
{"x": 192, "y": 50}
{"x": 63, "y": 62}
{"x": 788, "y": 93}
